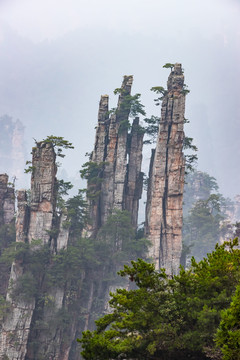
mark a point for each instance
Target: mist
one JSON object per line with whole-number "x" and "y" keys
{"x": 57, "y": 60}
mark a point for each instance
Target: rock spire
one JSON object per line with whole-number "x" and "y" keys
{"x": 166, "y": 179}
{"x": 7, "y": 201}
{"x": 33, "y": 222}
{"x": 119, "y": 183}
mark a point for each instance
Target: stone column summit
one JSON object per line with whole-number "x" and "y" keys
{"x": 164, "y": 218}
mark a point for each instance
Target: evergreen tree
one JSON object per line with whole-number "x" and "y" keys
{"x": 167, "y": 318}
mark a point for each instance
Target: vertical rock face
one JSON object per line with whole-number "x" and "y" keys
{"x": 22, "y": 220}
{"x": 114, "y": 173}
{"x": 134, "y": 179}
{"x": 7, "y": 201}
{"x": 98, "y": 157}
{"x": 42, "y": 192}
{"x": 32, "y": 222}
{"x": 120, "y": 183}
{"x": 7, "y": 211}
{"x": 166, "y": 179}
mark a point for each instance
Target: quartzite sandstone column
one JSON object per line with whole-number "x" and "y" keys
{"x": 166, "y": 179}
{"x": 33, "y": 223}
{"x": 43, "y": 189}
{"x": 134, "y": 181}
{"x": 7, "y": 201}
{"x": 112, "y": 189}
{"x": 119, "y": 155}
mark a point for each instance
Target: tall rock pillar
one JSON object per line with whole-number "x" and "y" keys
{"x": 7, "y": 201}
{"x": 166, "y": 179}
{"x": 134, "y": 179}
{"x": 33, "y": 223}
{"x": 118, "y": 156}
{"x": 112, "y": 189}
{"x": 42, "y": 192}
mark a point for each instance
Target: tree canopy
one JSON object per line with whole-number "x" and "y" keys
{"x": 170, "y": 318}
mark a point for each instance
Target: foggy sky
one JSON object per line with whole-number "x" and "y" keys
{"x": 58, "y": 57}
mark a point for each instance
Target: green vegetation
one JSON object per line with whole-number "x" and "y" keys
{"x": 151, "y": 129}
{"x": 132, "y": 107}
{"x": 7, "y": 236}
{"x": 62, "y": 189}
{"x": 185, "y": 90}
{"x": 204, "y": 212}
{"x": 159, "y": 90}
{"x": 168, "y": 66}
{"x": 84, "y": 260}
{"x": 30, "y": 169}
{"x": 228, "y": 334}
{"x": 77, "y": 213}
{"x": 93, "y": 173}
{"x": 194, "y": 315}
{"x": 198, "y": 185}
{"x": 117, "y": 242}
{"x": 59, "y": 143}
{"x": 202, "y": 226}
{"x": 190, "y": 159}
{"x": 5, "y": 307}
{"x": 170, "y": 318}
{"x": 130, "y": 104}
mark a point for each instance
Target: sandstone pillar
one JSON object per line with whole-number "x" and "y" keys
{"x": 7, "y": 201}
{"x": 166, "y": 179}
{"x": 33, "y": 223}
{"x": 119, "y": 156}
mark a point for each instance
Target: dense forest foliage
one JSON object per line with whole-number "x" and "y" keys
{"x": 194, "y": 315}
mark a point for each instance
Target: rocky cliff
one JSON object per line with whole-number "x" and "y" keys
{"x": 34, "y": 222}
{"x": 118, "y": 156}
{"x": 7, "y": 233}
{"x": 7, "y": 201}
{"x": 60, "y": 279}
{"x": 166, "y": 179}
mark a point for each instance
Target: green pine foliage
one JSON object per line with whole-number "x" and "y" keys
{"x": 167, "y": 318}
{"x": 228, "y": 334}
{"x": 59, "y": 143}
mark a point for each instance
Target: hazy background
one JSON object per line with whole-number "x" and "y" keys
{"x": 57, "y": 57}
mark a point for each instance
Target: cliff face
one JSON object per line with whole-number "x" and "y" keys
{"x": 73, "y": 285}
{"x": 33, "y": 223}
{"x": 7, "y": 201}
{"x": 134, "y": 176}
{"x": 7, "y": 212}
{"x": 43, "y": 188}
{"x": 166, "y": 179}
{"x": 120, "y": 177}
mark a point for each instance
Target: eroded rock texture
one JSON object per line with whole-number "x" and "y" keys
{"x": 7, "y": 201}
{"x": 7, "y": 211}
{"x": 166, "y": 179}
{"x": 43, "y": 187}
{"x": 119, "y": 183}
{"x": 33, "y": 222}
